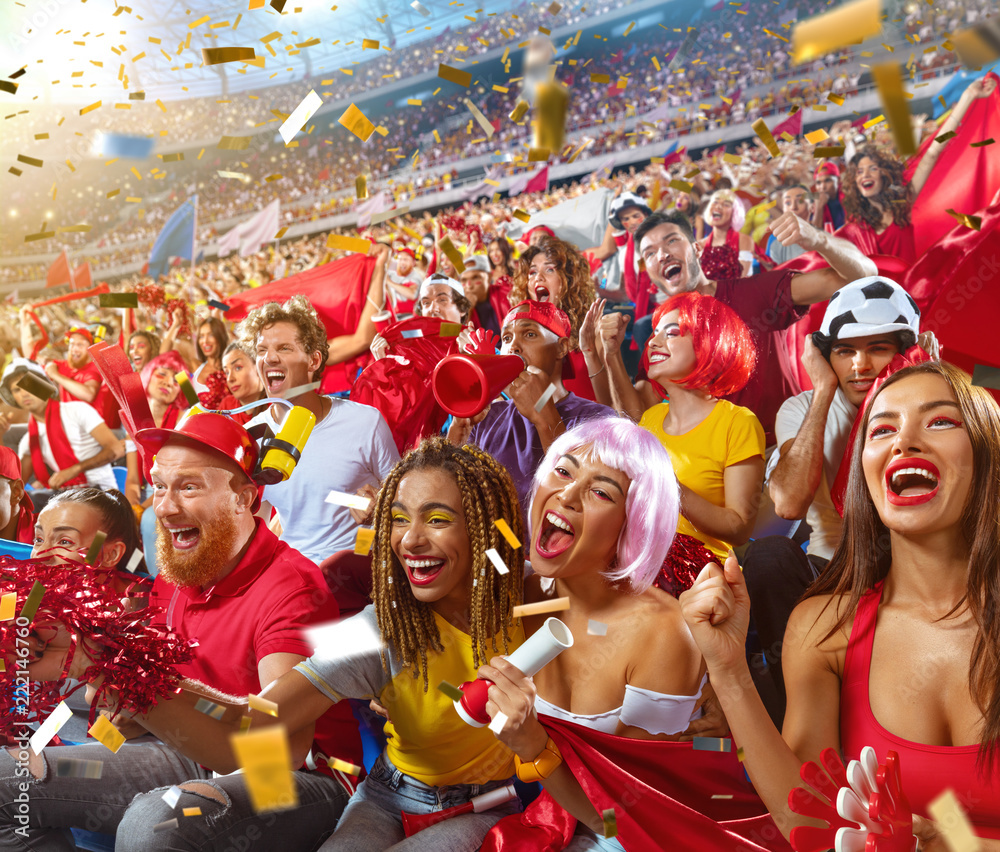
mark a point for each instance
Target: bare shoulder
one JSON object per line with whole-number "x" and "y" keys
{"x": 813, "y": 625}
{"x": 663, "y": 655}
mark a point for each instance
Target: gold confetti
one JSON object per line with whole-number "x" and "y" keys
{"x": 262, "y": 705}
{"x": 540, "y": 608}
{"x": 681, "y": 185}
{"x": 234, "y": 143}
{"x": 760, "y": 128}
{"x": 850, "y": 23}
{"x": 817, "y": 136}
{"x": 265, "y": 758}
{"x": 982, "y": 144}
{"x": 369, "y": 44}
{"x": 220, "y": 55}
{"x": 481, "y": 119}
{"x": 199, "y": 22}
{"x": 90, "y": 108}
{"x": 452, "y": 253}
{"x": 524, "y": 216}
{"x": 34, "y": 599}
{"x": 30, "y": 161}
{"x": 944, "y": 137}
{"x": 270, "y": 178}
{"x": 159, "y": 103}
{"x": 361, "y": 187}
{"x": 8, "y": 606}
{"x": 363, "y": 543}
{"x": 890, "y": 89}
{"x": 973, "y": 222}
{"x": 600, "y": 78}
{"x": 518, "y": 112}
{"x": 41, "y": 235}
{"x": 954, "y": 826}
{"x": 873, "y": 121}
{"x": 281, "y": 233}
{"x": 357, "y": 122}
{"x": 353, "y": 244}
{"x": 732, "y": 159}
{"x": 455, "y": 75}
{"x": 414, "y": 102}
{"x": 503, "y": 526}
{"x": 107, "y": 734}
{"x": 610, "y": 822}
{"x": 190, "y": 812}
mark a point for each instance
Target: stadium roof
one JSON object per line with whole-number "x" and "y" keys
{"x": 157, "y": 44}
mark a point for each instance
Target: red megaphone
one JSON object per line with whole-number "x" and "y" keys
{"x": 465, "y": 384}
{"x": 412, "y": 823}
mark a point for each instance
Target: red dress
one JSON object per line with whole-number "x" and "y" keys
{"x": 926, "y": 770}
{"x": 721, "y": 262}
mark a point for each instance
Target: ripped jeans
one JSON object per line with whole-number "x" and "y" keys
{"x": 127, "y": 801}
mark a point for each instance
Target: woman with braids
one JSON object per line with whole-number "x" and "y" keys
{"x": 556, "y": 271}
{"x": 895, "y": 644}
{"x": 441, "y": 610}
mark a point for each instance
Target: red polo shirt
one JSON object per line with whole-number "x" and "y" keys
{"x": 256, "y": 610}
{"x": 104, "y": 402}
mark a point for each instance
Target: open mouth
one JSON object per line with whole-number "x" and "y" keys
{"x": 861, "y": 385}
{"x": 184, "y": 538}
{"x": 421, "y": 569}
{"x": 555, "y": 537}
{"x": 275, "y": 380}
{"x": 671, "y": 271}
{"x": 910, "y": 483}
{"x": 867, "y": 185}
{"x": 541, "y": 294}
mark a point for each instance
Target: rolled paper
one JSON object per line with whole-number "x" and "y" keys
{"x": 107, "y": 734}
{"x": 712, "y": 744}
{"x": 507, "y": 532}
{"x": 50, "y": 727}
{"x": 186, "y": 388}
{"x": 95, "y": 546}
{"x": 262, "y": 705}
{"x": 540, "y": 608}
{"x": 32, "y": 602}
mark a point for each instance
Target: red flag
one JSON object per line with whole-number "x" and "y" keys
{"x": 60, "y": 272}
{"x": 323, "y": 175}
{"x": 81, "y": 277}
{"x": 336, "y": 290}
{"x": 540, "y": 182}
{"x": 791, "y": 125}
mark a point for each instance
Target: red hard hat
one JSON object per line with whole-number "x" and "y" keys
{"x": 211, "y": 432}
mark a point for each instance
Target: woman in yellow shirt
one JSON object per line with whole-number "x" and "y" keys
{"x": 700, "y": 351}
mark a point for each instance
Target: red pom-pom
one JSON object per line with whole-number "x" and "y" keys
{"x": 217, "y": 391}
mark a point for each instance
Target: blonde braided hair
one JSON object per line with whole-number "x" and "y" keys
{"x": 488, "y": 494}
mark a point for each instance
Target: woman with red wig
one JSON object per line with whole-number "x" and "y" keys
{"x": 700, "y": 351}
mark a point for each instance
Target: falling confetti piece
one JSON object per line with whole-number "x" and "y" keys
{"x": 540, "y": 608}
{"x": 453, "y": 692}
{"x": 454, "y": 75}
{"x": 357, "y": 122}
{"x": 363, "y": 543}
{"x": 850, "y": 23}
{"x": 712, "y": 744}
{"x": 498, "y": 563}
{"x": 344, "y": 243}
{"x": 507, "y": 532}
{"x": 596, "y": 628}
{"x": 220, "y": 55}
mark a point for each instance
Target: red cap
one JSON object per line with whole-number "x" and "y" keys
{"x": 211, "y": 432}
{"x": 405, "y": 250}
{"x": 545, "y": 314}
{"x": 10, "y": 464}
{"x": 830, "y": 169}
{"x": 82, "y": 331}
{"x": 543, "y": 228}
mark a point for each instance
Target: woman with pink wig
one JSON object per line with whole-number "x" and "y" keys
{"x": 726, "y": 252}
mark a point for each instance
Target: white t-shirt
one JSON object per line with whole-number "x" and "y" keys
{"x": 826, "y": 523}
{"x": 79, "y": 419}
{"x": 350, "y": 447}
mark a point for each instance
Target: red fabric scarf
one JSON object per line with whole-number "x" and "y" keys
{"x": 658, "y": 790}
{"x": 637, "y": 285}
{"x": 62, "y": 452}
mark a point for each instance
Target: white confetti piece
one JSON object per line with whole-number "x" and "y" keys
{"x": 351, "y": 501}
{"x": 172, "y": 796}
{"x": 545, "y": 397}
{"x": 498, "y": 722}
{"x": 300, "y": 115}
{"x": 494, "y": 557}
{"x": 50, "y": 727}
{"x": 596, "y": 628}
{"x": 134, "y": 561}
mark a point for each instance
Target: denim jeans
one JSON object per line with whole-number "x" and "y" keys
{"x": 127, "y": 801}
{"x": 585, "y": 840}
{"x": 372, "y": 819}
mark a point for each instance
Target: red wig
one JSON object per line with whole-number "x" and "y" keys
{"x": 170, "y": 359}
{"x": 725, "y": 353}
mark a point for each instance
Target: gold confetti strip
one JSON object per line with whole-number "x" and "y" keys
{"x": 80, "y": 229}
{"x": 829, "y": 151}
{"x": 850, "y": 23}
{"x": 220, "y": 55}
{"x": 974, "y": 222}
{"x": 199, "y": 22}
{"x": 369, "y": 44}
{"x": 357, "y": 122}
{"x": 41, "y": 235}
{"x": 500, "y": 523}
{"x": 281, "y": 233}
{"x": 681, "y": 185}
{"x": 524, "y": 216}
{"x": 817, "y": 136}
{"x": 600, "y": 78}
{"x": 481, "y": 119}
{"x": 34, "y": 599}
{"x": 944, "y": 137}
{"x": 760, "y": 128}
{"x": 538, "y": 155}
{"x": 172, "y": 158}
{"x": 107, "y": 734}
{"x": 890, "y": 89}
{"x": 610, "y": 822}
{"x": 8, "y": 606}
{"x": 270, "y": 178}
{"x": 732, "y": 159}
{"x": 343, "y": 766}
{"x": 343, "y": 243}
{"x": 455, "y": 75}
{"x": 190, "y": 812}
{"x": 540, "y": 608}
{"x": 30, "y": 161}
{"x": 519, "y": 111}
{"x": 982, "y": 144}
{"x": 233, "y": 143}
{"x": 363, "y": 543}
{"x": 873, "y": 121}
{"x": 262, "y": 705}
{"x": 266, "y": 758}
{"x": 452, "y": 253}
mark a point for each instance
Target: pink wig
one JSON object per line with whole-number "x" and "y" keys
{"x": 172, "y": 361}
{"x": 725, "y": 353}
{"x": 739, "y": 211}
{"x": 652, "y": 505}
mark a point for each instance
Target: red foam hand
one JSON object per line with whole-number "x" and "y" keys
{"x": 483, "y": 342}
{"x": 818, "y": 800}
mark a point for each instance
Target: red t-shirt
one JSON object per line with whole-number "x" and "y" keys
{"x": 258, "y": 609}
{"x": 764, "y": 302}
{"x": 104, "y": 403}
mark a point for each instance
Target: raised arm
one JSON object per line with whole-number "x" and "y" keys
{"x": 847, "y": 262}
{"x": 350, "y": 345}
{"x": 84, "y": 391}
{"x": 608, "y": 246}
{"x": 976, "y": 89}
{"x": 625, "y": 398}
{"x": 794, "y": 480}
{"x": 593, "y": 353}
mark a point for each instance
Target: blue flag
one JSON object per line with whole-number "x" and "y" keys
{"x": 958, "y": 83}
{"x": 175, "y": 240}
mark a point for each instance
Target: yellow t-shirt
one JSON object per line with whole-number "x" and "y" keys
{"x": 427, "y": 738}
{"x": 730, "y": 434}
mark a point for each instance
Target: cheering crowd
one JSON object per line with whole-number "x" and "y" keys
{"x": 653, "y": 510}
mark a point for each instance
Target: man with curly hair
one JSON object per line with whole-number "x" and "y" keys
{"x": 351, "y": 447}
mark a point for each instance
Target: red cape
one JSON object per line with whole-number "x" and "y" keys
{"x": 336, "y": 290}
{"x": 658, "y": 789}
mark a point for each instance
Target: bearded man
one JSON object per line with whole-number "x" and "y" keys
{"x": 78, "y": 377}
{"x": 227, "y": 582}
